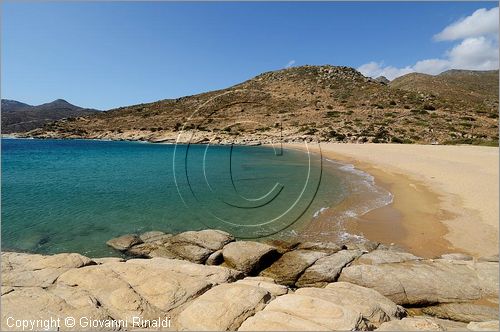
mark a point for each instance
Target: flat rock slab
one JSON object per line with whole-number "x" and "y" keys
{"x": 124, "y": 242}
{"x": 463, "y": 312}
{"x": 288, "y": 268}
{"x": 249, "y": 257}
{"x": 374, "y": 307}
{"x": 29, "y": 270}
{"x": 57, "y": 302}
{"x": 386, "y": 256}
{"x": 222, "y": 308}
{"x": 279, "y": 321}
{"x": 422, "y": 323}
{"x": 456, "y": 257}
{"x": 493, "y": 258}
{"x": 427, "y": 282}
{"x": 326, "y": 269}
{"x": 316, "y": 311}
{"x": 326, "y": 247}
{"x": 412, "y": 324}
{"x": 213, "y": 274}
{"x": 113, "y": 290}
{"x": 364, "y": 246}
{"x": 105, "y": 260}
{"x": 483, "y": 326}
{"x": 267, "y": 283}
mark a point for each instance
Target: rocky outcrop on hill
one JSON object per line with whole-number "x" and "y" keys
{"x": 320, "y": 287}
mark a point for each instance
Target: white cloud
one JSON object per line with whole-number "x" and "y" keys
{"x": 475, "y": 53}
{"x": 481, "y": 22}
{"x": 477, "y": 50}
{"x": 431, "y": 66}
{"x": 375, "y": 69}
{"x": 290, "y": 63}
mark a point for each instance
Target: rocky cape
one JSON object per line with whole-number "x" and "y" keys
{"x": 207, "y": 280}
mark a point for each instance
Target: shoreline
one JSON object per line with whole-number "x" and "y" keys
{"x": 433, "y": 194}
{"x": 429, "y": 215}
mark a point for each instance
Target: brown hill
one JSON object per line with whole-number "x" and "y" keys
{"x": 458, "y": 88}
{"x": 309, "y": 102}
{"x": 20, "y": 117}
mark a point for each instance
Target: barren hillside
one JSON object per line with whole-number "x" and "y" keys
{"x": 311, "y": 102}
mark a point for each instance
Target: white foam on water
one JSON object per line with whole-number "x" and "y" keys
{"x": 365, "y": 183}
{"x": 320, "y": 211}
{"x": 366, "y": 194}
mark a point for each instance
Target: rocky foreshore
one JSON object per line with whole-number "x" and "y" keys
{"x": 207, "y": 280}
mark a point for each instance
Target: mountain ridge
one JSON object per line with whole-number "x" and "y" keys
{"x": 328, "y": 103}
{"x": 21, "y": 117}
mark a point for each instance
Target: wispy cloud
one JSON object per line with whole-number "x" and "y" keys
{"x": 477, "y": 49}
{"x": 290, "y": 63}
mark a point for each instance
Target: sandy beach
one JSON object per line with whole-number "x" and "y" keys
{"x": 445, "y": 197}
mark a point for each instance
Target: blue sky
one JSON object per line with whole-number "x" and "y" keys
{"x": 105, "y": 55}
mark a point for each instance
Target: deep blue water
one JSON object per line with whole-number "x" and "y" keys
{"x": 74, "y": 195}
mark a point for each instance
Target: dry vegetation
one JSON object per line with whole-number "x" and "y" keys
{"x": 312, "y": 102}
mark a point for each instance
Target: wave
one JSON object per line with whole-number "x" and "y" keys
{"x": 320, "y": 211}
{"x": 364, "y": 195}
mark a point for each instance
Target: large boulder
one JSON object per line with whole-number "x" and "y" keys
{"x": 326, "y": 269}
{"x": 249, "y": 257}
{"x": 290, "y": 266}
{"x": 463, "y": 312}
{"x": 193, "y": 246}
{"x": 374, "y": 307}
{"x": 215, "y": 258}
{"x": 154, "y": 236}
{"x": 283, "y": 246}
{"x": 183, "y": 250}
{"x": 310, "y": 310}
{"x": 210, "y": 239}
{"x": 144, "y": 250}
{"x": 222, "y": 308}
{"x": 124, "y": 242}
{"x": 427, "y": 282}
{"x": 28, "y": 270}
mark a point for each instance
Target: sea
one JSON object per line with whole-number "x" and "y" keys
{"x": 74, "y": 195}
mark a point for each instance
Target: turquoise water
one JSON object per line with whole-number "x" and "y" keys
{"x": 74, "y": 195}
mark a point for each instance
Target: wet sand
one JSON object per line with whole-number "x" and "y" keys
{"x": 445, "y": 197}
